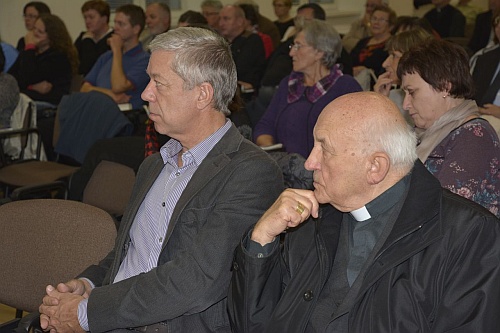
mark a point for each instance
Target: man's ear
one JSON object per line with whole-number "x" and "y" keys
{"x": 205, "y": 95}
{"x": 378, "y": 167}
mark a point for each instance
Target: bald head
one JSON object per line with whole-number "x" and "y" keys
{"x": 373, "y": 123}
{"x": 232, "y": 22}
{"x": 362, "y": 147}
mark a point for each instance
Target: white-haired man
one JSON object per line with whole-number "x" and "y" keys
{"x": 378, "y": 246}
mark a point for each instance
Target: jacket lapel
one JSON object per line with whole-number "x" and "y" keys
{"x": 214, "y": 162}
{"x": 419, "y": 217}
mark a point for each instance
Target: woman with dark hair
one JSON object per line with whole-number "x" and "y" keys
{"x": 190, "y": 18}
{"x": 31, "y": 12}
{"x": 252, "y": 25}
{"x": 457, "y": 146}
{"x": 45, "y": 67}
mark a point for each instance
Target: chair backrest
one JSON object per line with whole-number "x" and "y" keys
{"x": 110, "y": 187}
{"x": 24, "y": 141}
{"x": 47, "y": 241}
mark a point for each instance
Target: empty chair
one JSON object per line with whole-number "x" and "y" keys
{"x": 47, "y": 241}
{"x": 110, "y": 187}
{"x": 21, "y": 140}
{"x": 25, "y": 146}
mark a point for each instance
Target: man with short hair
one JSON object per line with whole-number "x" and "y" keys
{"x": 94, "y": 41}
{"x": 120, "y": 72}
{"x": 378, "y": 246}
{"x": 158, "y": 21}
{"x": 211, "y": 9}
{"x": 170, "y": 269}
{"x": 247, "y": 49}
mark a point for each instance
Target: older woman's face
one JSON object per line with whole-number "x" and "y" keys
{"x": 304, "y": 56}
{"x": 379, "y": 23}
{"x": 424, "y": 104}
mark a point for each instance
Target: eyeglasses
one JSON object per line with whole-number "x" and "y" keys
{"x": 378, "y": 19}
{"x": 210, "y": 13}
{"x": 30, "y": 16}
{"x": 297, "y": 46}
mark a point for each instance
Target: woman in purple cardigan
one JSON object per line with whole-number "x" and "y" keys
{"x": 314, "y": 82}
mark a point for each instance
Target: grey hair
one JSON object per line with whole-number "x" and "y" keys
{"x": 323, "y": 37}
{"x": 212, "y": 3}
{"x": 201, "y": 56}
{"x": 397, "y": 140}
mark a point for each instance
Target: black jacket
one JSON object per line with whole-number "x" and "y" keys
{"x": 482, "y": 31}
{"x": 484, "y": 70}
{"x": 439, "y": 270}
{"x": 52, "y": 66}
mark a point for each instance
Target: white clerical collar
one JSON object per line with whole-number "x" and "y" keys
{"x": 361, "y": 214}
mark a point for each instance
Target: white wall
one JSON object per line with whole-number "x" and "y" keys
{"x": 340, "y": 14}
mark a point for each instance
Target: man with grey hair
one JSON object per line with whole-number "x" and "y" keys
{"x": 211, "y": 9}
{"x": 378, "y": 246}
{"x": 170, "y": 269}
{"x": 158, "y": 21}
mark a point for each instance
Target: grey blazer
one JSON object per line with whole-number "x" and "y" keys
{"x": 228, "y": 193}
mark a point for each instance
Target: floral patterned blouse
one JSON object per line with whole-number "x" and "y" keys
{"x": 466, "y": 162}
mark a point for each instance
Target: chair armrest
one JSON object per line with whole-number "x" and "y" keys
{"x": 27, "y": 192}
{"x": 29, "y": 323}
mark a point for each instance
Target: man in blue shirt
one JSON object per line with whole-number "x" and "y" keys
{"x": 121, "y": 72}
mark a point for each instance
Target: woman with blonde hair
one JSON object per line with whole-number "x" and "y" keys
{"x": 44, "y": 69}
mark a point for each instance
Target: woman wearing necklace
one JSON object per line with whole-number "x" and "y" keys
{"x": 369, "y": 53}
{"x": 458, "y": 147}
{"x": 314, "y": 82}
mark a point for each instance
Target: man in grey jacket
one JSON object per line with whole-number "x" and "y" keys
{"x": 378, "y": 246}
{"x": 170, "y": 269}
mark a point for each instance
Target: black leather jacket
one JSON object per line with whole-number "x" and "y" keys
{"x": 439, "y": 270}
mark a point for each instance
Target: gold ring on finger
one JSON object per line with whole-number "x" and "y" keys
{"x": 300, "y": 208}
